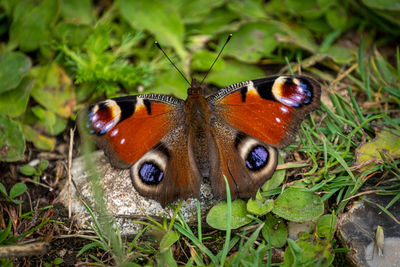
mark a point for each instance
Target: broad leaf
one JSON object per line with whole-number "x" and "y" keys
{"x": 276, "y": 179}
{"x": 39, "y": 140}
{"x": 297, "y": 205}
{"x": 13, "y": 103}
{"x": 234, "y": 72}
{"x": 54, "y": 90}
{"x": 17, "y": 190}
{"x": 31, "y": 23}
{"x": 259, "y": 207}
{"x": 276, "y": 229}
{"x": 13, "y": 67}
{"x": 385, "y": 141}
{"x": 168, "y": 240}
{"x": 12, "y": 143}
{"x": 157, "y": 17}
{"x": 326, "y": 226}
{"x": 253, "y": 41}
{"x": 216, "y": 217}
{"x": 76, "y": 11}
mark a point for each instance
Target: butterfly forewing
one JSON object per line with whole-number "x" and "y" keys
{"x": 269, "y": 109}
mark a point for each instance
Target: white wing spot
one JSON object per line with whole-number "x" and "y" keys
{"x": 114, "y": 132}
{"x": 284, "y": 109}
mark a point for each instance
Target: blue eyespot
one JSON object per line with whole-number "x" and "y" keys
{"x": 257, "y": 158}
{"x": 308, "y": 93}
{"x": 150, "y": 173}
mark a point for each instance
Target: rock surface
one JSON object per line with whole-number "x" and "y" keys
{"x": 357, "y": 230}
{"x": 122, "y": 200}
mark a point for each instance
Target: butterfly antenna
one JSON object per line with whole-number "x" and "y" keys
{"x": 222, "y": 49}
{"x": 159, "y": 47}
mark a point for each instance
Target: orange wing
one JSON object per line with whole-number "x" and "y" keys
{"x": 269, "y": 109}
{"x": 127, "y": 127}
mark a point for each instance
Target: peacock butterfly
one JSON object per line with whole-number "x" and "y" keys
{"x": 170, "y": 144}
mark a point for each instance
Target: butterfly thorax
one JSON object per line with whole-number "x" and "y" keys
{"x": 198, "y": 114}
{"x": 197, "y": 109}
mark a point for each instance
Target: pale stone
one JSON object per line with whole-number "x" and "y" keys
{"x": 123, "y": 202}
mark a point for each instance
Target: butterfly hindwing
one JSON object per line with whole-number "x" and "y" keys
{"x": 168, "y": 171}
{"x": 245, "y": 162}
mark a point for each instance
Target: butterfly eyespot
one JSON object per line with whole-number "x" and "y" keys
{"x": 257, "y": 158}
{"x": 150, "y": 173}
{"x": 292, "y": 92}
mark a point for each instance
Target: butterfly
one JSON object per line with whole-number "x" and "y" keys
{"x": 170, "y": 144}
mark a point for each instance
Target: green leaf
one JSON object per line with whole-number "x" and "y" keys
{"x": 163, "y": 21}
{"x": 17, "y": 190}
{"x": 16, "y": 201}
{"x": 3, "y": 190}
{"x": 13, "y": 103}
{"x": 166, "y": 259}
{"x": 385, "y": 141}
{"x": 337, "y": 17}
{"x": 308, "y": 251}
{"x": 13, "y": 67}
{"x": 253, "y": 41}
{"x": 251, "y": 9}
{"x": 339, "y": 54}
{"x": 326, "y": 226}
{"x": 8, "y": 6}
{"x": 297, "y": 205}
{"x": 293, "y": 256}
{"x": 259, "y": 207}
{"x": 277, "y": 230}
{"x": 218, "y": 20}
{"x": 58, "y": 261}
{"x": 53, "y": 89}
{"x": 195, "y": 11}
{"x": 46, "y": 120}
{"x": 216, "y": 217}
{"x": 234, "y": 72}
{"x": 27, "y": 170}
{"x": 297, "y": 36}
{"x": 382, "y": 4}
{"x": 168, "y": 240}
{"x": 76, "y": 11}
{"x": 12, "y": 143}
{"x": 95, "y": 244}
{"x": 43, "y": 165}
{"x": 169, "y": 82}
{"x": 318, "y": 25}
{"x": 31, "y": 23}
{"x": 39, "y": 140}
{"x": 202, "y": 60}
{"x": 72, "y": 34}
{"x": 308, "y": 8}
{"x": 6, "y": 232}
{"x": 276, "y": 179}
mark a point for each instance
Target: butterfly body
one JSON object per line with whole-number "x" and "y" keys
{"x": 170, "y": 144}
